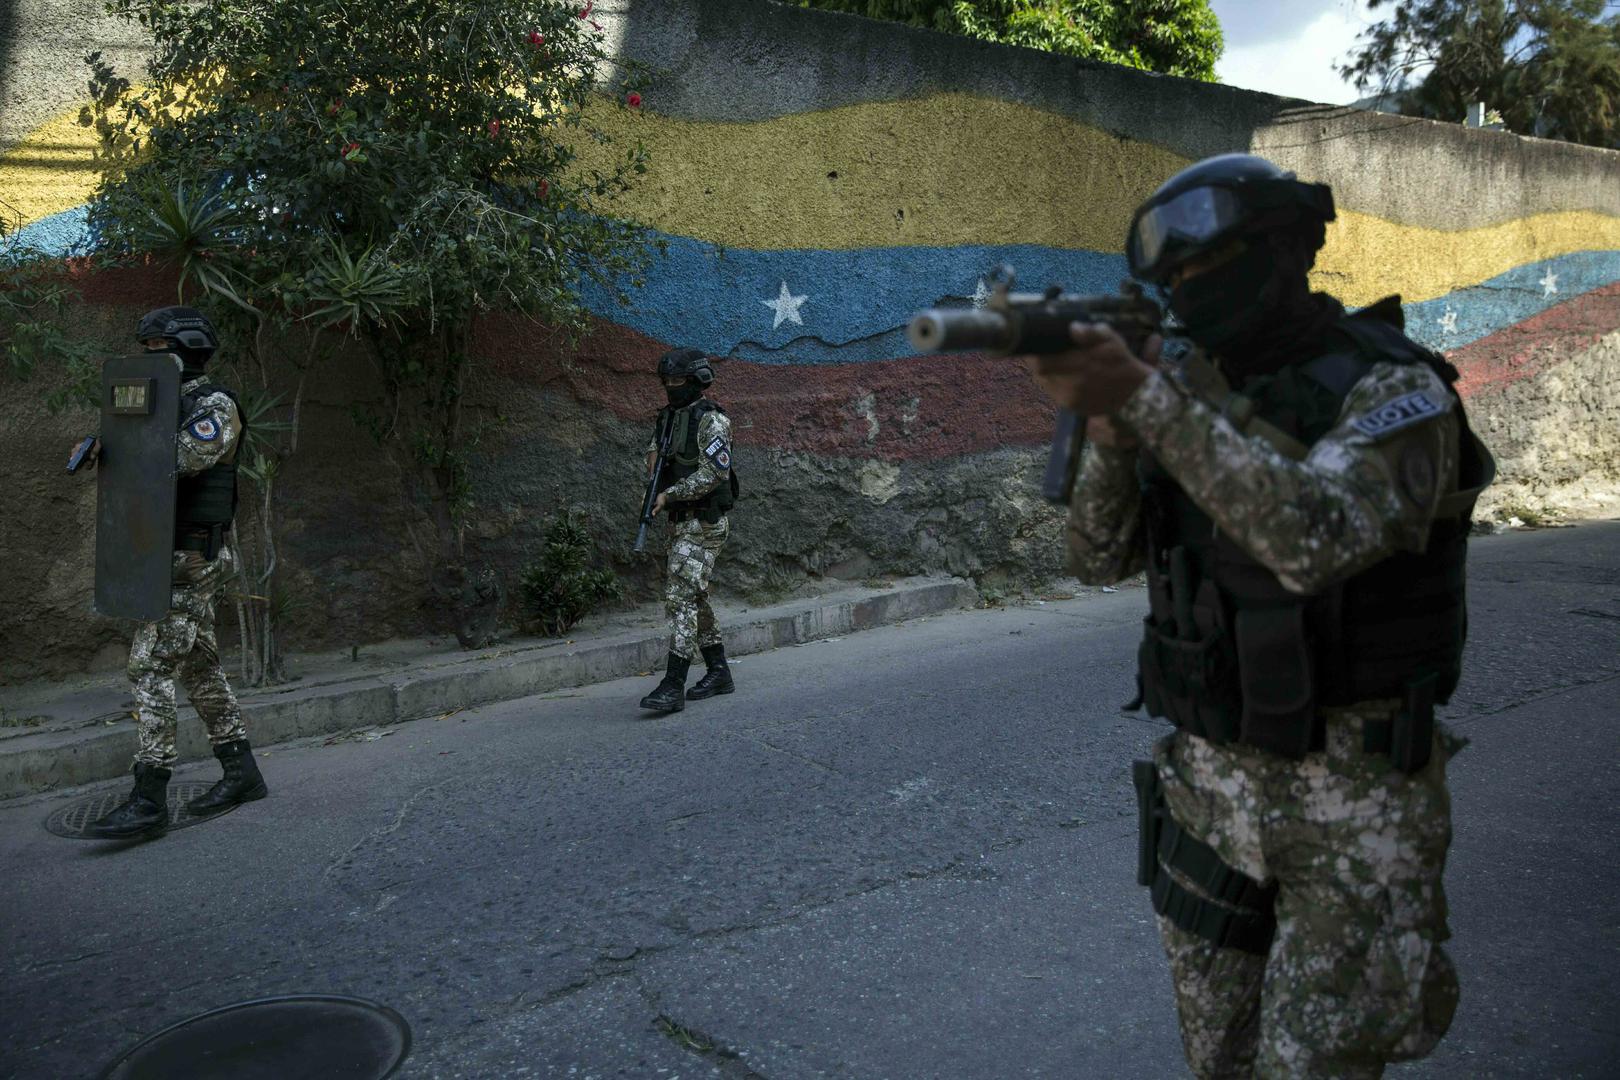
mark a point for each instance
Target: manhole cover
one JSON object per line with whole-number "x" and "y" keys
{"x": 309, "y": 1036}
{"x": 73, "y": 819}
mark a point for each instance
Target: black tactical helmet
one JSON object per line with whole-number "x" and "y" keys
{"x": 1206, "y": 205}
{"x": 185, "y": 328}
{"x": 688, "y": 364}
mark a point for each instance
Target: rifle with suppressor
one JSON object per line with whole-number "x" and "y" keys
{"x": 666, "y": 429}
{"x": 1013, "y": 323}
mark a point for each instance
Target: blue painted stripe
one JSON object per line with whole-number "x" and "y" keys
{"x": 853, "y": 305}
{"x": 64, "y": 234}
{"x": 856, "y": 302}
{"x": 1466, "y": 315}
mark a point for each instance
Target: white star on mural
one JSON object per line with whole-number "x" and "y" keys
{"x": 786, "y": 306}
{"x": 981, "y": 295}
{"x": 1549, "y": 284}
{"x": 1448, "y": 322}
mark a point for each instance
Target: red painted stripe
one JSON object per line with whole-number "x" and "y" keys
{"x": 912, "y": 408}
{"x": 1543, "y": 341}
{"x": 916, "y": 408}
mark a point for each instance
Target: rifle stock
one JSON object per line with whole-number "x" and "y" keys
{"x": 1018, "y": 323}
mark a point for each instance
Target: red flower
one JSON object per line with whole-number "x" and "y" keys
{"x": 494, "y": 129}
{"x": 633, "y": 100}
{"x": 585, "y": 13}
{"x": 348, "y": 149}
{"x": 536, "y": 38}
{"x": 545, "y": 189}
{"x": 331, "y": 110}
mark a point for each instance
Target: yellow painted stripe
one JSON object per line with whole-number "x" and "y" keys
{"x": 939, "y": 171}
{"x": 52, "y": 170}
{"x": 945, "y": 170}
{"x": 1366, "y": 258}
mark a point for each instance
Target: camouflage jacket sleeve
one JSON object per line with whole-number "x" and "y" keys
{"x": 208, "y": 433}
{"x": 714, "y": 459}
{"x": 1104, "y": 534}
{"x": 1366, "y": 489}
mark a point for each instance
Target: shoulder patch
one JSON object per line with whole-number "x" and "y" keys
{"x": 718, "y": 452}
{"x": 1402, "y": 412}
{"x": 205, "y": 429}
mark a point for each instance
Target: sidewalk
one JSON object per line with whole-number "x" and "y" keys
{"x": 55, "y": 735}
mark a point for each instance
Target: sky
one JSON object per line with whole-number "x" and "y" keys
{"x": 1290, "y": 47}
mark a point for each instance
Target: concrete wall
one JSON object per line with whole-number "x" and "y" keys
{"x": 818, "y": 178}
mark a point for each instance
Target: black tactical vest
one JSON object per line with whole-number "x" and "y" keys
{"x": 205, "y": 503}
{"x": 684, "y": 457}
{"x": 1231, "y": 655}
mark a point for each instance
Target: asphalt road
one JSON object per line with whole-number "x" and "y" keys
{"x": 904, "y": 853}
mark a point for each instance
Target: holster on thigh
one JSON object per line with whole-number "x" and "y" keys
{"x": 1222, "y": 905}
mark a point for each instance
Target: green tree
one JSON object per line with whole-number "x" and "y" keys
{"x": 34, "y": 303}
{"x": 1172, "y": 37}
{"x": 1551, "y": 68}
{"x": 381, "y": 172}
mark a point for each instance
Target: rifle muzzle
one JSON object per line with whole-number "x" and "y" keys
{"x": 947, "y": 329}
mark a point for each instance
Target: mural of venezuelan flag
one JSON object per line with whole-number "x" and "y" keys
{"x": 804, "y": 240}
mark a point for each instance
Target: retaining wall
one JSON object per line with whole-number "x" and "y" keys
{"x": 818, "y": 178}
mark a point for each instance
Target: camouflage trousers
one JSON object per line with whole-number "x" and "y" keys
{"x": 693, "y": 548}
{"x": 1356, "y": 976}
{"x": 181, "y": 646}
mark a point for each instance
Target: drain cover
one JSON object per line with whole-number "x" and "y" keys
{"x": 71, "y": 820}
{"x": 309, "y": 1036}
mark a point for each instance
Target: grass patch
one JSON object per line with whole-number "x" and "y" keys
{"x": 683, "y": 1036}
{"x": 778, "y": 584}
{"x": 11, "y": 720}
{"x": 1516, "y": 515}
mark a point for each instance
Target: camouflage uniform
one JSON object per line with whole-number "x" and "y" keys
{"x": 1355, "y": 975}
{"x": 181, "y": 644}
{"x": 696, "y": 544}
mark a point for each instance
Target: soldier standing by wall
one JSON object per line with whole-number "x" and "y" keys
{"x": 182, "y": 644}
{"x": 1302, "y": 513}
{"x": 698, "y": 487}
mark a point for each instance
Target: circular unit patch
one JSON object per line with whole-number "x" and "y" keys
{"x": 71, "y": 820}
{"x": 309, "y": 1036}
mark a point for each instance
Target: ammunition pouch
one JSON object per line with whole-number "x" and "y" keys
{"x": 1224, "y": 906}
{"x": 1189, "y": 682}
{"x": 1275, "y": 671}
{"x": 1408, "y": 738}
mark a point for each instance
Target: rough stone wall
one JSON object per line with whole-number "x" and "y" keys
{"x": 818, "y": 178}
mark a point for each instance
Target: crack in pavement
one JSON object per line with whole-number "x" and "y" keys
{"x": 760, "y": 741}
{"x": 345, "y": 860}
{"x": 1532, "y": 698}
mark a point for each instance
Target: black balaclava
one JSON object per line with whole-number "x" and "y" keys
{"x": 685, "y": 394}
{"x": 194, "y": 362}
{"x": 1256, "y": 310}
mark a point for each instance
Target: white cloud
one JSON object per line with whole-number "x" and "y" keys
{"x": 1302, "y": 64}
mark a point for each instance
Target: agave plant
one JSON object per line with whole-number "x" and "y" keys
{"x": 198, "y": 235}
{"x": 352, "y": 289}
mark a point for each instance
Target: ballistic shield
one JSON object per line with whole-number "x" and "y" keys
{"x": 135, "y": 485}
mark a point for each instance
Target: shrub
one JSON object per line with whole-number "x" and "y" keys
{"x": 559, "y": 587}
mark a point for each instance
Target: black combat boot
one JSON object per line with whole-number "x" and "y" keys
{"x": 144, "y": 813}
{"x": 717, "y": 680}
{"x": 241, "y": 782}
{"x": 670, "y": 694}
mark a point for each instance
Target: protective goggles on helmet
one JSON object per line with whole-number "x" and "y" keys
{"x": 1201, "y": 218}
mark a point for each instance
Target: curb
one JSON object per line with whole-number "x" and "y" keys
{"x": 58, "y": 759}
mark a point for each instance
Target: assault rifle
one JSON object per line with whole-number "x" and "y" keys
{"x": 1012, "y": 323}
{"x": 666, "y": 429}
